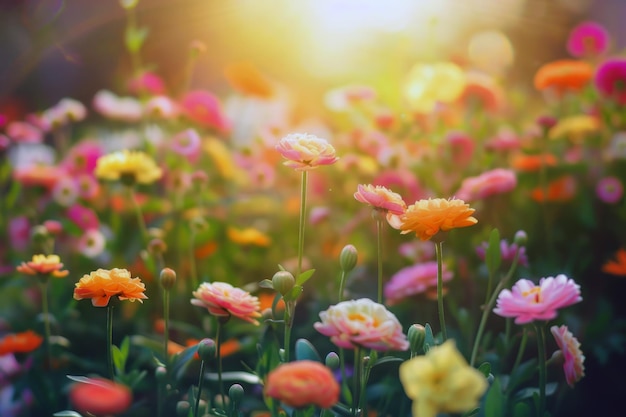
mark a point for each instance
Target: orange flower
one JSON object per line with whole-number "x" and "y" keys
{"x": 563, "y": 75}
{"x": 102, "y": 284}
{"x": 616, "y": 266}
{"x": 248, "y": 236}
{"x": 532, "y": 163}
{"x": 266, "y": 299}
{"x": 100, "y": 397}
{"x": 561, "y": 189}
{"x": 247, "y": 79}
{"x": 43, "y": 265}
{"x": 205, "y": 250}
{"x": 23, "y": 342}
{"x": 426, "y": 218}
{"x": 302, "y": 383}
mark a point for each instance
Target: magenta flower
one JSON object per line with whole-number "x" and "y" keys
{"x": 147, "y": 83}
{"x": 610, "y": 79}
{"x": 507, "y": 252}
{"x": 528, "y": 302}
{"x": 205, "y": 109}
{"x": 496, "y": 181}
{"x": 187, "y": 143}
{"x": 416, "y": 279}
{"x": 461, "y": 146}
{"x": 83, "y": 217}
{"x": 362, "y": 323}
{"x": 573, "y": 357}
{"x": 305, "y": 152}
{"x": 610, "y": 190}
{"x": 83, "y": 157}
{"x": 224, "y": 300}
{"x": 588, "y": 39}
{"x": 19, "y": 232}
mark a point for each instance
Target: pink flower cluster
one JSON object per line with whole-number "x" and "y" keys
{"x": 496, "y": 181}
{"x": 416, "y": 279}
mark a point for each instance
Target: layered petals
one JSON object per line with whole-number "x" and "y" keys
{"x": 305, "y": 152}
{"x": 224, "y": 300}
{"x": 102, "y": 284}
{"x": 573, "y": 364}
{"x": 426, "y": 218}
{"x": 43, "y": 265}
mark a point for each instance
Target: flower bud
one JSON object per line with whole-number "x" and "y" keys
{"x": 207, "y": 349}
{"x": 157, "y": 246}
{"x": 348, "y": 258}
{"x": 182, "y": 408}
{"x": 283, "y": 282}
{"x": 235, "y": 392}
{"x": 161, "y": 374}
{"x": 417, "y": 337}
{"x": 167, "y": 278}
{"x": 156, "y": 233}
{"x": 332, "y": 360}
{"x": 521, "y": 238}
{"x": 39, "y": 234}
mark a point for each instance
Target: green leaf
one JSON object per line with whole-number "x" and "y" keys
{"x": 430, "y": 338}
{"x": 523, "y": 372}
{"x": 304, "y": 276}
{"x": 266, "y": 283}
{"x": 67, "y": 413}
{"x": 294, "y": 293}
{"x": 180, "y": 360}
{"x": 306, "y": 351}
{"x": 135, "y": 38}
{"x": 493, "y": 257}
{"x": 118, "y": 360}
{"x": 532, "y": 391}
{"x": 495, "y": 400}
{"x": 521, "y": 409}
{"x": 471, "y": 413}
{"x": 485, "y": 369}
{"x": 387, "y": 359}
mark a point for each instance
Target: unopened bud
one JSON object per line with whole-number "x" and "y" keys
{"x": 157, "y": 246}
{"x": 235, "y": 392}
{"x": 182, "y": 408}
{"x": 160, "y": 373}
{"x": 207, "y": 349}
{"x": 167, "y": 278}
{"x": 417, "y": 337}
{"x": 521, "y": 238}
{"x": 283, "y": 282}
{"x": 332, "y": 360}
{"x": 348, "y": 258}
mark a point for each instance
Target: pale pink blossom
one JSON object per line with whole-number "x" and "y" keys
{"x": 461, "y": 147}
{"x": 224, "y": 300}
{"x": 495, "y": 181}
{"x": 188, "y": 144}
{"x": 305, "y": 152}
{"x": 415, "y": 279}
{"x": 319, "y": 214}
{"x": 23, "y": 132}
{"x": 402, "y": 180}
{"x": 417, "y": 250}
{"x": 88, "y": 186}
{"x": 161, "y": 106}
{"x": 65, "y": 111}
{"x": 504, "y": 141}
{"x": 527, "y": 302}
{"x": 65, "y": 191}
{"x": 380, "y": 198}
{"x": 113, "y": 107}
{"x": 362, "y": 323}
{"x": 507, "y": 252}
{"x": 91, "y": 243}
{"x": 573, "y": 357}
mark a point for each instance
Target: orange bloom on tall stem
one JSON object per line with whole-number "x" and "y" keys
{"x": 43, "y": 265}
{"x": 616, "y": 266}
{"x": 426, "y": 218}
{"x": 23, "y": 342}
{"x": 102, "y": 284}
{"x": 563, "y": 75}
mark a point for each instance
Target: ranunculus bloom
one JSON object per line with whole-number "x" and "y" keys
{"x": 24, "y": 132}
{"x": 380, "y": 197}
{"x": 441, "y": 382}
{"x": 610, "y": 79}
{"x": 102, "y": 284}
{"x": 205, "y": 109}
{"x": 23, "y": 342}
{"x": 426, "y": 218}
{"x": 414, "y": 279}
{"x": 43, "y": 265}
{"x": 563, "y": 75}
{"x": 616, "y": 266}
{"x": 573, "y": 357}
{"x": 134, "y": 166}
{"x": 362, "y": 323}
{"x": 305, "y": 152}
{"x": 588, "y": 39}
{"x": 100, "y": 397}
{"x": 248, "y": 236}
{"x": 303, "y": 383}
{"x": 496, "y": 181}
{"x": 224, "y": 300}
{"x": 528, "y": 302}
{"x": 610, "y": 190}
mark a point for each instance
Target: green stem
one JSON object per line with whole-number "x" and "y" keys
{"x": 358, "y": 368}
{"x": 379, "y": 243}
{"x": 520, "y": 352}
{"x": 140, "y": 220}
{"x": 218, "y": 354}
{"x": 288, "y": 318}
{"x": 46, "y": 321}
{"x": 302, "y": 222}
{"x": 442, "y": 320}
{"x": 541, "y": 351}
{"x": 200, "y": 382}
{"x": 166, "y": 318}
{"x": 342, "y": 284}
{"x": 192, "y": 260}
{"x": 110, "y": 341}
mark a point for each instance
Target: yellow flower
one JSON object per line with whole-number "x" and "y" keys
{"x": 429, "y": 84}
{"x": 221, "y": 157}
{"x": 128, "y": 166}
{"x": 441, "y": 381}
{"x": 427, "y": 217}
{"x": 102, "y": 284}
{"x": 248, "y": 236}
{"x": 574, "y": 127}
{"x": 43, "y": 265}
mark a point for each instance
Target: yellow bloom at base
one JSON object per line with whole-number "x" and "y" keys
{"x": 441, "y": 381}
{"x": 426, "y": 218}
{"x": 129, "y": 166}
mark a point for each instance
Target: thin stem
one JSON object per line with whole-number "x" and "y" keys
{"x": 379, "y": 244}
{"x": 342, "y": 284}
{"x": 358, "y": 368}
{"x": 192, "y": 260}
{"x": 166, "y": 318}
{"x": 342, "y": 367}
{"x": 46, "y": 320}
{"x": 110, "y": 341}
{"x": 302, "y": 222}
{"x": 288, "y": 318}
{"x": 442, "y": 320}
{"x": 200, "y": 382}
{"x": 218, "y": 354}
{"x": 140, "y": 220}
{"x": 541, "y": 353}
{"x": 520, "y": 352}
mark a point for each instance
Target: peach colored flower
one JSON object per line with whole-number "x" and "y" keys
{"x": 224, "y": 300}
{"x": 43, "y": 265}
{"x": 100, "y": 397}
{"x": 127, "y": 165}
{"x": 414, "y": 279}
{"x": 23, "y": 342}
{"x": 381, "y": 198}
{"x": 426, "y": 218}
{"x": 362, "y": 323}
{"x": 305, "y": 152}
{"x": 573, "y": 357}
{"x": 248, "y": 236}
{"x": 532, "y": 163}
{"x": 495, "y": 181}
{"x": 102, "y": 284}
{"x": 302, "y": 383}
{"x": 616, "y": 266}
{"x": 248, "y": 80}
{"x": 563, "y": 75}
{"x": 528, "y": 302}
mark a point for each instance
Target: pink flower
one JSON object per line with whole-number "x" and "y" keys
{"x": 403, "y": 180}
{"x": 504, "y": 141}
{"x": 610, "y": 79}
{"x": 24, "y": 132}
{"x": 302, "y": 383}
{"x": 147, "y": 83}
{"x": 88, "y": 186}
{"x": 205, "y": 109}
{"x": 588, "y": 39}
{"x": 362, "y": 323}
{"x": 507, "y": 252}
{"x": 187, "y": 143}
{"x": 83, "y": 157}
{"x": 83, "y": 217}
{"x": 610, "y": 190}
{"x": 570, "y": 349}
{"x": 19, "y": 232}
{"x": 496, "y": 181}
{"x": 65, "y": 191}
{"x": 380, "y": 198}
{"x": 117, "y": 108}
{"x": 528, "y": 302}
{"x": 461, "y": 147}
{"x": 91, "y": 243}
{"x": 224, "y": 300}
{"x": 161, "y": 106}
{"x": 416, "y": 279}
{"x": 305, "y": 152}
